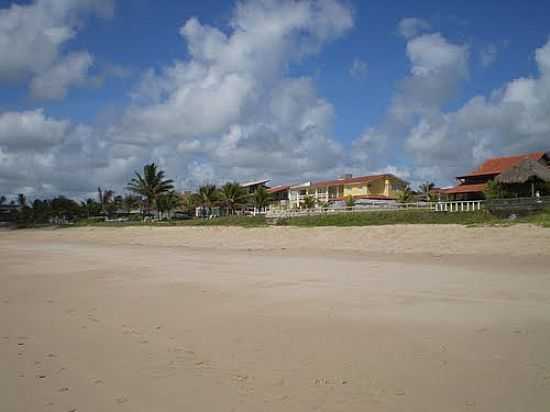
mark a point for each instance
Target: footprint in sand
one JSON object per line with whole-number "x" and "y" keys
{"x": 240, "y": 378}
{"x": 64, "y": 389}
{"x": 122, "y": 400}
{"x": 98, "y": 381}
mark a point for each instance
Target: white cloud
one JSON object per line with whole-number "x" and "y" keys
{"x": 410, "y": 27}
{"x": 438, "y": 68}
{"x": 488, "y": 55}
{"x": 32, "y": 35}
{"x": 514, "y": 119}
{"x": 359, "y": 69}
{"x": 70, "y": 71}
{"x": 228, "y": 112}
{"x": 231, "y": 102}
{"x": 30, "y": 131}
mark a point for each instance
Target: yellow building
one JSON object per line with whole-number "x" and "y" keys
{"x": 377, "y": 187}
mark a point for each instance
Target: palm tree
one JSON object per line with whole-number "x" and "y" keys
{"x": 151, "y": 184}
{"x": 261, "y": 198}
{"x": 189, "y": 201}
{"x": 233, "y": 196}
{"x": 309, "y": 202}
{"x": 131, "y": 202}
{"x": 426, "y": 189}
{"x": 207, "y": 197}
{"x": 22, "y": 200}
{"x": 167, "y": 202}
{"x": 405, "y": 195}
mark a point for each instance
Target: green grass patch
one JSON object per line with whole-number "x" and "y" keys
{"x": 393, "y": 218}
{"x": 241, "y": 221}
{"x": 401, "y": 217}
{"x": 540, "y": 219}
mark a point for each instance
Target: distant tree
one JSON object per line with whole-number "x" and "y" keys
{"x": 405, "y": 195}
{"x": 2, "y": 200}
{"x": 131, "y": 202}
{"x": 426, "y": 190}
{"x": 207, "y": 197}
{"x": 167, "y": 202}
{"x": 24, "y": 215}
{"x": 233, "y": 196}
{"x": 150, "y": 185}
{"x": 40, "y": 211}
{"x": 21, "y": 200}
{"x": 496, "y": 190}
{"x": 64, "y": 209}
{"x": 309, "y": 202}
{"x": 189, "y": 201}
{"x": 261, "y": 198}
{"x": 91, "y": 208}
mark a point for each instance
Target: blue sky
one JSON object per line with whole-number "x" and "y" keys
{"x": 344, "y": 89}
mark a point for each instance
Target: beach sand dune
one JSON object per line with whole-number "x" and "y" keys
{"x": 395, "y": 318}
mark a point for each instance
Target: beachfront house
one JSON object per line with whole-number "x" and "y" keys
{"x": 384, "y": 187}
{"x": 252, "y": 187}
{"x": 473, "y": 185}
{"x": 279, "y": 196}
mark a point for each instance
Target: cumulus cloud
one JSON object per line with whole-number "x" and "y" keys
{"x": 513, "y": 119}
{"x": 440, "y": 144}
{"x": 70, "y": 71}
{"x": 437, "y": 69}
{"x": 410, "y": 27}
{"x": 233, "y": 104}
{"x": 32, "y": 36}
{"x": 229, "y": 111}
{"x": 30, "y": 131}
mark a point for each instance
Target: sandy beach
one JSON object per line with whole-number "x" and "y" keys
{"x": 389, "y": 318}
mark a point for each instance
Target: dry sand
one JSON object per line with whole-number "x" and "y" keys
{"x": 395, "y": 318}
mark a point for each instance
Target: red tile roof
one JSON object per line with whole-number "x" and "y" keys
{"x": 351, "y": 180}
{"x": 475, "y": 188}
{"x": 277, "y": 189}
{"x": 498, "y": 165}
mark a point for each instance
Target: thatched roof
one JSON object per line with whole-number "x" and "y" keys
{"x": 523, "y": 172}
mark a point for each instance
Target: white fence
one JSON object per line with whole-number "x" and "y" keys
{"x": 458, "y": 206}
{"x": 374, "y": 207}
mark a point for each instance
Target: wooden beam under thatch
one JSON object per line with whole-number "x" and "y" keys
{"x": 524, "y": 172}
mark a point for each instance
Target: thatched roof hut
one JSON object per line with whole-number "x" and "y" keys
{"x": 526, "y": 171}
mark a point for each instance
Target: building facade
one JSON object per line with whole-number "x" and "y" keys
{"x": 473, "y": 185}
{"x": 378, "y": 187}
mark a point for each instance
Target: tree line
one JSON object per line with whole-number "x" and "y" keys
{"x": 149, "y": 193}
